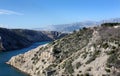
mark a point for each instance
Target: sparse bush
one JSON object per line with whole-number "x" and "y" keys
{"x": 80, "y": 71}
{"x": 78, "y": 75}
{"x": 108, "y": 65}
{"x": 94, "y": 56}
{"x": 87, "y": 74}
{"x": 85, "y": 55}
{"x": 113, "y": 60}
{"x": 68, "y": 67}
{"x": 84, "y": 28}
{"x": 107, "y": 70}
{"x": 78, "y": 64}
{"x": 105, "y": 45}
{"x": 81, "y": 75}
{"x": 89, "y": 69}
{"x": 56, "y": 50}
{"x": 110, "y": 52}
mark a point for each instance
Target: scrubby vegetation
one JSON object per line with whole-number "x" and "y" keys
{"x": 78, "y": 64}
{"x": 93, "y": 57}
{"x": 66, "y": 46}
{"x": 87, "y": 52}
{"x": 110, "y": 24}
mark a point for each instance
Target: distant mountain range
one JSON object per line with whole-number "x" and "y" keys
{"x": 76, "y": 26}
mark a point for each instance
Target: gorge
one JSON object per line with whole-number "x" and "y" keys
{"x": 93, "y": 51}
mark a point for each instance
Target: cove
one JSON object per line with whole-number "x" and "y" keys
{"x": 7, "y": 70}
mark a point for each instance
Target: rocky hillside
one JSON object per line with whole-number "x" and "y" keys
{"x": 91, "y": 51}
{"x": 12, "y": 39}
{"x": 35, "y": 36}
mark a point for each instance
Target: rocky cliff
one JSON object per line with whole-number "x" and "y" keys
{"x": 35, "y": 36}
{"x": 13, "y": 39}
{"x": 88, "y": 52}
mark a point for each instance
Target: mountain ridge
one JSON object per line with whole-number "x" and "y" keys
{"x": 77, "y": 25}
{"x": 13, "y": 39}
{"x": 92, "y": 51}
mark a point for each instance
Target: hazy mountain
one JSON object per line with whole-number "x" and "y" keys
{"x": 76, "y": 26}
{"x": 113, "y": 20}
{"x": 68, "y": 27}
{"x": 93, "y": 51}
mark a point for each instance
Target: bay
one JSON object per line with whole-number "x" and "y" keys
{"x": 7, "y": 70}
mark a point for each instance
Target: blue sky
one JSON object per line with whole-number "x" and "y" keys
{"x": 39, "y": 13}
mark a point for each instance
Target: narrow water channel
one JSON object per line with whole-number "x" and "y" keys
{"x": 7, "y": 70}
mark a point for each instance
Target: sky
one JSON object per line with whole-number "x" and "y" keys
{"x": 40, "y": 13}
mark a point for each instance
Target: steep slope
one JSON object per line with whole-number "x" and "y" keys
{"x": 13, "y": 39}
{"x": 91, "y": 51}
{"x": 35, "y": 36}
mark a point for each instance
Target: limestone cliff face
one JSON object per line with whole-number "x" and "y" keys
{"x": 89, "y": 52}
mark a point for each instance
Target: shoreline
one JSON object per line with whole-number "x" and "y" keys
{"x": 18, "y": 69}
{"x": 23, "y": 47}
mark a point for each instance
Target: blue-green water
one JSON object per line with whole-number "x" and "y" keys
{"x": 7, "y": 70}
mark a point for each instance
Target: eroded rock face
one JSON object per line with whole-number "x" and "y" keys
{"x": 90, "y": 51}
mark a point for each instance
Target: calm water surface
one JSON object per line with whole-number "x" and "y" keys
{"x": 7, "y": 70}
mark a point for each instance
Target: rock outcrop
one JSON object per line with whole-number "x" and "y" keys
{"x": 88, "y": 52}
{"x": 1, "y": 46}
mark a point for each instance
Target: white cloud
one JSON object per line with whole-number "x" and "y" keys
{"x": 4, "y": 26}
{"x": 9, "y": 12}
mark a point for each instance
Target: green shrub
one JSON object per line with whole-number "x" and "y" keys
{"x": 94, "y": 56}
{"x": 110, "y": 52}
{"x": 89, "y": 69}
{"x": 107, "y": 70}
{"x": 113, "y": 60}
{"x": 78, "y": 64}
{"x": 87, "y": 74}
{"x": 68, "y": 67}
{"x": 105, "y": 45}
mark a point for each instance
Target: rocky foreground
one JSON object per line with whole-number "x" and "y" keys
{"x": 93, "y": 51}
